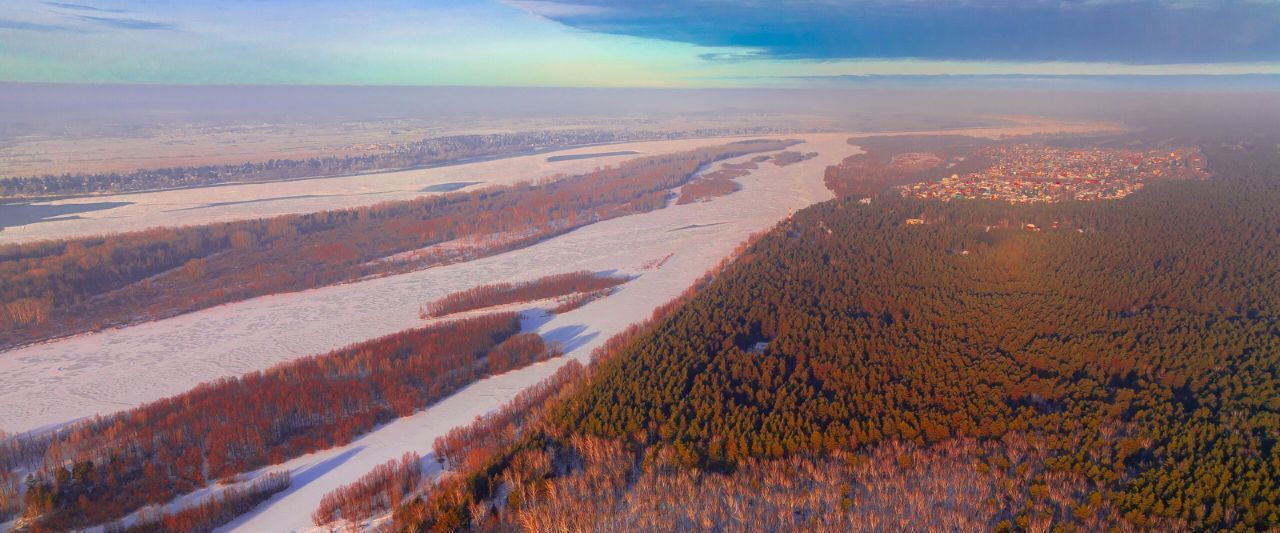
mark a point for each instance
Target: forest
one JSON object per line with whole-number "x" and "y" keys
{"x": 466, "y": 447}
{"x": 419, "y": 154}
{"x": 101, "y": 469}
{"x": 55, "y": 288}
{"x": 391, "y": 486}
{"x": 582, "y": 283}
{"x": 1119, "y": 368}
{"x": 569, "y": 302}
{"x": 720, "y": 182}
{"x": 379, "y": 490}
{"x": 208, "y": 515}
{"x": 788, "y": 157}
{"x": 492, "y": 454}
{"x": 898, "y": 160}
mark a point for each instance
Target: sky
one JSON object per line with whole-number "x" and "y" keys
{"x": 627, "y": 43}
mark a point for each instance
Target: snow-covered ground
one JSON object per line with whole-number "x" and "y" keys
{"x": 56, "y": 382}
{"x": 53, "y": 383}
{"x": 623, "y": 244}
{"x": 235, "y": 202}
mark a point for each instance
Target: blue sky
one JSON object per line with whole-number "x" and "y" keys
{"x": 661, "y": 43}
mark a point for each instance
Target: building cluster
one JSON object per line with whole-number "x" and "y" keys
{"x": 1027, "y": 173}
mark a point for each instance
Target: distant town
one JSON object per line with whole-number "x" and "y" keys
{"x": 1028, "y": 173}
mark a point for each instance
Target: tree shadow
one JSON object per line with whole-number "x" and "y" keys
{"x": 614, "y": 273}
{"x": 313, "y": 472}
{"x": 22, "y": 214}
{"x": 297, "y": 480}
{"x": 532, "y": 319}
{"x": 431, "y": 466}
{"x": 570, "y": 338}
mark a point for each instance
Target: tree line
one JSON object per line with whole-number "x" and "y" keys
{"x": 495, "y": 294}
{"x": 501, "y": 455}
{"x": 418, "y": 154}
{"x": 881, "y": 164}
{"x": 1137, "y": 342}
{"x": 98, "y": 470}
{"x": 1119, "y": 368}
{"x": 89, "y": 283}
{"x": 466, "y": 447}
{"x": 718, "y": 183}
{"x": 379, "y": 490}
{"x": 209, "y": 514}
{"x": 789, "y": 157}
{"x": 567, "y": 303}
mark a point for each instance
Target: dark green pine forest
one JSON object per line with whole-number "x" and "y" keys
{"x": 1137, "y": 341}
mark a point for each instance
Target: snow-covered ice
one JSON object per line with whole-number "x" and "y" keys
{"x": 56, "y": 382}
{"x": 624, "y": 243}
{"x": 253, "y": 200}
{"x": 53, "y": 383}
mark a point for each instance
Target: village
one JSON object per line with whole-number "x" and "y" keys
{"x": 1027, "y": 173}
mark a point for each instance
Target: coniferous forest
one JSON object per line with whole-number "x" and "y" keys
{"x": 1117, "y": 368}
{"x": 820, "y": 266}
